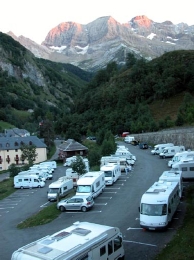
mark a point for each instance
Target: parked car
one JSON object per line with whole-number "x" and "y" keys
{"x": 92, "y": 138}
{"x": 143, "y": 146}
{"x": 77, "y": 202}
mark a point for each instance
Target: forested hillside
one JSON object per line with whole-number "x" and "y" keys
{"x": 27, "y": 83}
{"x": 144, "y": 96}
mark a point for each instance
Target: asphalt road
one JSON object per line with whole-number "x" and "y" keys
{"x": 116, "y": 206}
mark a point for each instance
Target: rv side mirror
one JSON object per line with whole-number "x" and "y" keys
{"x": 139, "y": 209}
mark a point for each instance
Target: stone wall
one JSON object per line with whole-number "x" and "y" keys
{"x": 182, "y": 136}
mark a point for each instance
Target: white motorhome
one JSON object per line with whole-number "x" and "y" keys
{"x": 181, "y": 157}
{"x": 171, "y": 151}
{"x": 128, "y": 158}
{"x": 158, "y": 205}
{"x": 73, "y": 175}
{"x": 59, "y": 188}
{"x": 91, "y": 184}
{"x": 129, "y": 139}
{"x": 187, "y": 168}
{"x": 173, "y": 176}
{"x": 125, "y": 152}
{"x": 112, "y": 172}
{"x": 120, "y": 160}
{"x": 46, "y": 168}
{"x": 82, "y": 240}
{"x": 42, "y": 177}
{"x": 27, "y": 181}
{"x": 158, "y": 148}
{"x": 72, "y": 159}
{"x": 52, "y": 164}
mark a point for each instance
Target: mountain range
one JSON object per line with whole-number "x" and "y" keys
{"x": 104, "y": 40}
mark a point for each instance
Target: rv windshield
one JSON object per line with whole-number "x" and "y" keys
{"x": 108, "y": 174}
{"x": 83, "y": 188}
{"x": 153, "y": 209}
{"x": 53, "y": 190}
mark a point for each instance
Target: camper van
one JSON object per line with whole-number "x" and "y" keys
{"x": 129, "y": 139}
{"x": 125, "y": 152}
{"x": 52, "y": 164}
{"x": 158, "y": 148}
{"x": 82, "y": 240}
{"x": 42, "y": 177}
{"x": 72, "y": 159}
{"x": 173, "y": 176}
{"x": 59, "y": 188}
{"x": 171, "y": 151}
{"x": 158, "y": 205}
{"x": 181, "y": 157}
{"x": 91, "y": 184}
{"x": 28, "y": 181}
{"x": 120, "y": 160}
{"x": 187, "y": 168}
{"x": 112, "y": 172}
{"x": 70, "y": 174}
{"x": 46, "y": 168}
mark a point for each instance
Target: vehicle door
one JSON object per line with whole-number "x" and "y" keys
{"x": 78, "y": 203}
{"x": 70, "y": 204}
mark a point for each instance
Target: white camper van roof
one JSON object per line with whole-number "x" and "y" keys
{"x": 67, "y": 243}
{"x": 159, "y": 192}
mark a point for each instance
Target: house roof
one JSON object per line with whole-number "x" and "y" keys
{"x": 72, "y": 145}
{"x": 15, "y": 132}
{"x": 12, "y": 143}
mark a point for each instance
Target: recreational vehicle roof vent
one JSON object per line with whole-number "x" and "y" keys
{"x": 44, "y": 250}
{"x": 159, "y": 190}
{"x": 61, "y": 235}
{"x": 81, "y": 231}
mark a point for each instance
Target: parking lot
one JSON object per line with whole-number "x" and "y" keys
{"x": 116, "y": 206}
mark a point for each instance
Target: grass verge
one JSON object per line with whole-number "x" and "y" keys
{"x": 182, "y": 245}
{"x": 44, "y": 216}
{"x": 6, "y": 188}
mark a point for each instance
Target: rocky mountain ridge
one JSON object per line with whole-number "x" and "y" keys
{"x": 103, "y": 40}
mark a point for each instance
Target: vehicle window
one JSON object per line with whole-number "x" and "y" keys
{"x": 89, "y": 199}
{"x": 117, "y": 243}
{"x": 79, "y": 200}
{"x": 110, "y": 248}
{"x": 71, "y": 201}
{"x": 35, "y": 180}
{"x": 26, "y": 180}
{"x": 97, "y": 184}
{"x": 191, "y": 168}
{"x": 102, "y": 250}
{"x": 184, "y": 169}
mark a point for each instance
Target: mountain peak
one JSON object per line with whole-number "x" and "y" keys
{"x": 142, "y": 20}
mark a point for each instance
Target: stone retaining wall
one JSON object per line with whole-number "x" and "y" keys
{"x": 177, "y": 137}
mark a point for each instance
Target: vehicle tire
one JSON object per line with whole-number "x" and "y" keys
{"x": 21, "y": 187}
{"x": 84, "y": 209}
{"x": 39, "y": 186}
{"x": 164, "y": 156}
{"x": 62, "y": 209}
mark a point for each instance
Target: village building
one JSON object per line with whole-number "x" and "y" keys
{"x": 70, "y": 148}
{"x": 10, "y": 151}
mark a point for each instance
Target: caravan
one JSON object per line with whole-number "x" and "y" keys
{"x": 112, "y": 172}
{"x": 59, "y": 188}
{"x": 27, "y": 181}
{"x": 82, "y": 240}
{"x": 91, "y": 183}
{"x": 158, "y": 205}
{"x": 187, "y": 168}
{"x": 173, "y": 176}
{"x": 178, "y": 157}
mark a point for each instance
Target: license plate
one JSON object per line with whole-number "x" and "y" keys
{"x": 151, "y": 228}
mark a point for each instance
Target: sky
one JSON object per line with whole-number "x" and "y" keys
{"x": 35, "y": 18}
